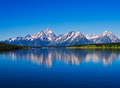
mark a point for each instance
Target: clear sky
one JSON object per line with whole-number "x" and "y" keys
{"x": 22, "y": 17}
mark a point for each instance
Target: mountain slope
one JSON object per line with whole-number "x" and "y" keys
{"x": 39, "y": 39}
{"x": 70, "y": 38}
{"x": 48, "y": 38}
{"x": 106, "y": 37}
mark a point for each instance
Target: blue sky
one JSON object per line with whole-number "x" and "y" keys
{"x": 22, "y": 17}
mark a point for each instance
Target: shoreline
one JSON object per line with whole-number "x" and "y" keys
{"x": 93, "y": 47}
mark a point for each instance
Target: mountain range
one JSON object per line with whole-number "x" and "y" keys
{"x": 48, "y": 38}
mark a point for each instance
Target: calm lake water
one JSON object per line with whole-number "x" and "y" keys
{"x": 60, "y": 68}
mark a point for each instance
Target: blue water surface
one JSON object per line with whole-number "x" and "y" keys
{"x": 60, "y": 68}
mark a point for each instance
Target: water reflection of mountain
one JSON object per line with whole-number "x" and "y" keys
{"x": 70, "y": 56}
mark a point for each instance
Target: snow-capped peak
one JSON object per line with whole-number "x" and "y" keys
{"x": 79, "y": 33}
{"x": 106, "y": 33}
{"x": 48, "y": 31}
{"x": 19, "y": 38}
{"x": 70, "y": 33}
{"x": 27, "y": 36}
{"x": 68, "y": 36}
{"x": 38, "y": 35}
{"x": 110, "y": 35}
{"x": 50, "y": 35}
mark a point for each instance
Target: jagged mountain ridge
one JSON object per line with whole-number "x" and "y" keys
{"x": 48, "y": 38}
{"x": 105, "y": 37}
{"x": 71, "y": 38}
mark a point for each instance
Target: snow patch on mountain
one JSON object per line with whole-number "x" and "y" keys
{"x": 92, "y": 36}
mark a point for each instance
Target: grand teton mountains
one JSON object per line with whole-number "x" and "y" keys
{"x": 48, "y": 38}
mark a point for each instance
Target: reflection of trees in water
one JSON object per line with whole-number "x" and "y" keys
{"x": 70, "y": 56}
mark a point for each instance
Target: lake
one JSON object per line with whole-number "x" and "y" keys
{"x": 60, "y": 68}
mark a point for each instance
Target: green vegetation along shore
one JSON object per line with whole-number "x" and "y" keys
{"x": 4, "y": 46}
{"x": 97, "y": 46}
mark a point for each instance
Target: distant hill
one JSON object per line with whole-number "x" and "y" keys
{"x": 4, "y": 46}
{"x": 48, "y": 38}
